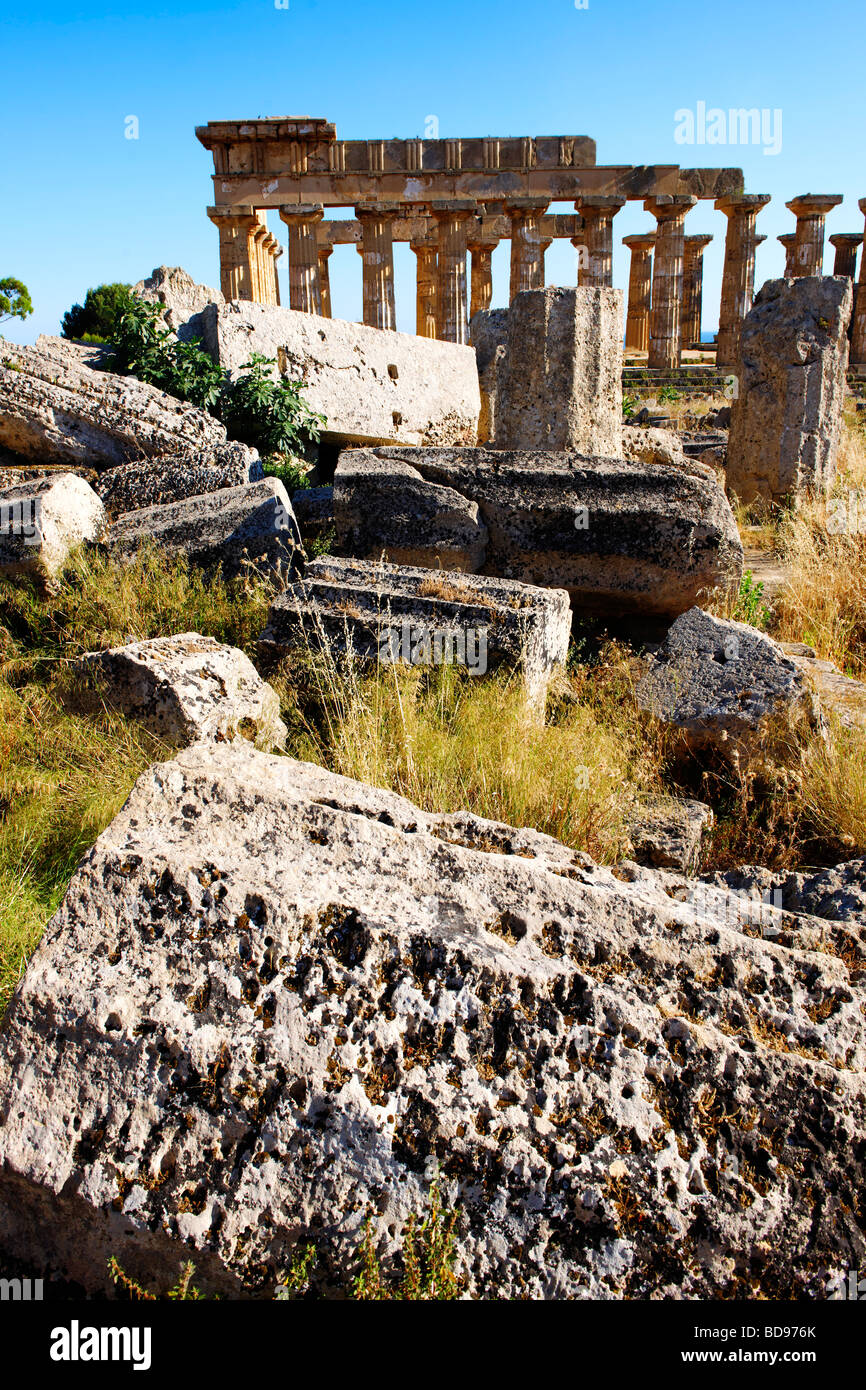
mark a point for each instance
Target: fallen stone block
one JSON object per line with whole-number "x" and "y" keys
{"x": 275, "y": 1000}
{"x": 642, "y": 445}
{"x": 621, "y": 537}
{"x": 386, "y": 508}
{"x": 41, "y": 521}
{"x": 722, "y": 683}
{"x": 667, "y": 832}
{"x": 175, "y": 477}
{"x": 181, "y": 299}
{"x": 189, "y": 687}
{"x": 372, "y": 385}
{"x": 234, "y": 527}
{"x": 839, "y": 696}
{"x": 57, "y": 411}
{"x": 560, "y": 383}
{"x": 314, "y": 509}
{"x": 389, "y": 614}
{"x": 787, "y": 417}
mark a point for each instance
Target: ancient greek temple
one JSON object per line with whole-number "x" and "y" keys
{"x": 454, "y": 200}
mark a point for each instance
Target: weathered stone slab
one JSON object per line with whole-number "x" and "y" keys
{"x": 373, "y": 386}
{"x": 721, "y": 682}
{"x": 488, "y": 334}
{"x": 174, "y": 477}
{"x": 314, "y": 508}
{"x": 41, "y": 521}
{"x": 840, "y": 696}
{"x": 57, "y": 411}
{"x": 189, "y": 687}
{"x": 389, "y": 613}
{"x": 642, "y": 445}
{"x": 620, "y": 537}
{"x": 236, "y": 526}
{"x": 787, "y": 417}
{"x": 275, "y": 1000}
{"x": 385, "y": 507}
{"x": 560, "y": 383}
{"x": 181, "y": 298}
{"x": 667, "y": 832}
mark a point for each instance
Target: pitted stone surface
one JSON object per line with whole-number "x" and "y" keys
{"x": 787, "y": 416}
{"x": 275, "y": 1000}
{"x": 620, "y": 537}
{"x": 189, "y": 687}
{"x": 174, "y": 477}
{"x": 40, "y": 521}
{"x": 236, "y": 526}
{"x": 54, "y": 410}
{"x": 721, "y": 682}
{"x": 366, "y": 606}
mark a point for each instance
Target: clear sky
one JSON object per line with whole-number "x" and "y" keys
{"x": 82, "y": 204}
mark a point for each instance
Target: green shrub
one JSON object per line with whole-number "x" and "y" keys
{"x": 272, "y": 416}
{"x": 97, "y": 320}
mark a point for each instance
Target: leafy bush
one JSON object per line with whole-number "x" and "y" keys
{"x": 15, "y": 301}
{"x": 97, "y": 320}
{"x": 750, "y": 607}
{"x": 270, "y": 415}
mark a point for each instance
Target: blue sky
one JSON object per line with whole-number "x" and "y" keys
{"x": 82, "y": 204}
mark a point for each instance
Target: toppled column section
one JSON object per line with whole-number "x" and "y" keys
{"x": 390, "y": 613}
{"x": 786, "y": 420}
{"x": 621, "y": 537}
{"x": 41, "y": 521}
{"x": 561, "y": 383}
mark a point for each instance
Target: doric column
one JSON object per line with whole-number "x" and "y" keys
{"x": 481, "y": 280}
{"x": 452, "y": 216}
{"x": 693, "y": 289}
{"x": 788, "y": 241}
{"x": 639, "y": 291}
{"x": 669, "y": 210}
{"x": 858, "y": 322}
{"x": 274, "y": 251}
{"x": 305, "y": 292}
{"x": 598, "y": 214}
{"x": 811, "y": 211}
{"x": 425, "y": 282}
{"x": 377, "y": 255}
{"x": 846, "y": 245}
{"x": 261, "y": 263}
{"x": 527, "y": 258}
{"x": 738, "y": 275}
{"x": 237, "y": 231}
{"x": 324, "y": 255}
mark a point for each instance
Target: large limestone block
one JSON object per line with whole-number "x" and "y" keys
{"x": 181, "y": 298}
{"x": 560, "y": 384}
{"x": 177, "y": 476}
{"x": 722, "y": 682}
{"x": 384, "y": 507}
{"x": 41, "y": 521}
{"x": 787, "y": 417}
{"x": 275, "y": 1001}
{"x": 372, "y": 385}
{"x": 620, "y": 537}
{"x": 189, "y": 687}
{"x": 390, "y": 613}
{"x": 236, "y": 526}
{"x": 55, "y": 410}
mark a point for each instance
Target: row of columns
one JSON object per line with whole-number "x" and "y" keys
{"x": 665, "y": 280}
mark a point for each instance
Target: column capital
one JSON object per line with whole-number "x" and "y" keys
{"x": 698, "y": 243}
{"x": 861, "y": 203}
{"x": 849, "y": 240}
{"x": 665, "y": 206}
{"x": 759, "y": 239}
{"x": 732, "y": 203}
{"x": 527, "y": 204}
{"x": 640, "y": 241}
{"x": 242, "y": 214}
{"x": 813, "y": 203}
{"x": 453, "y": 207}
{"x": 363, "y": 210}
{"x": 600, "y": 202}
{"x": 787, "y": 239}
{"x": 295, "y": 213}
